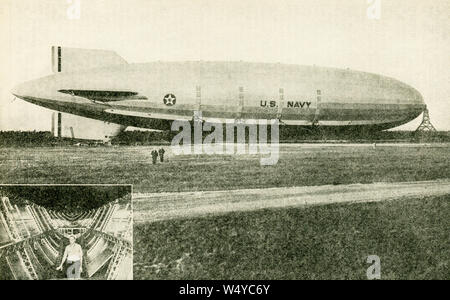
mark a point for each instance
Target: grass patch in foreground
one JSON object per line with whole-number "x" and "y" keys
{"x": 298, "y": 166}
{"x": 410, "y": 236}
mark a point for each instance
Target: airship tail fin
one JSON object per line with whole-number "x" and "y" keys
{"x": 72, "y": 59}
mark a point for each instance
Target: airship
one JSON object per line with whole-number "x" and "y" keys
{"x": 99, "y": 84}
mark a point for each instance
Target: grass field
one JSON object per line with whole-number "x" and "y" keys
{"x": 332, "y": 241}
{"x": 298, "y": 165}
{"x": 410, "y": 236}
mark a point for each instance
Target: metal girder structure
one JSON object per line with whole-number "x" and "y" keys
{"x": 108, "y": 217}
{"x": 120, "y": 252}
{"x": 426, "y": 122}
{"x": 19, "y": 244}
{"x": 87, "y": 220}
{"x": 38, "y": 222}
{"x": 11, "y": 223}
{"x": 27, "y": 264}
{"x": 54, "y": 220}
{"x": 100, "y": 217}
{"x": 47, "y": 218}
{"x": 9, "y": 219}
{"x": 22, "y": 220}
{"x": 37, "y": 211}
{"x": 69, "y": 230}
{"x": 5, "y": 225}
{"x": 19, "y": 248}
{"x": 94, "y": 218}
{"x": 128, "y": 232}
{"x": 110, "y": 238}
{"x": 22, "y": 241}
{"x": 45, "y": 242}
{"x": 122, "y": 249}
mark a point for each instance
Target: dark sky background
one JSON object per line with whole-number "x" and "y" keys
{"x": 66, "y": 198}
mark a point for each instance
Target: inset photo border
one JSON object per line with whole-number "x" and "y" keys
{"x": 52, "y": 232}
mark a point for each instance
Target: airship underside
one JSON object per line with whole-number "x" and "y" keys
{"x": 101, "y": 85}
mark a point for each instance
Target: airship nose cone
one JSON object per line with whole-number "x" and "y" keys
{"x": 17, "y": 91}
{"x": 22, "y": 90}
{"x": 35, "y": 89}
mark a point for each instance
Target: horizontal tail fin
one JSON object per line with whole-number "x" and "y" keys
{"x": 72, "y": 59}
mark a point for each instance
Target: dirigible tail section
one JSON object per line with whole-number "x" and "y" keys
{"x": 72, "y": 59}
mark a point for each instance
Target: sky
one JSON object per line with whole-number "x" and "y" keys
{"x": 405, "y": 39}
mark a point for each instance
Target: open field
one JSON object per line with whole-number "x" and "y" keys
{"x": 410, "y": 233}
{"x": 299, "y": 165}
{"x": 151, "y": 207}
{"x": 333, "y": 241}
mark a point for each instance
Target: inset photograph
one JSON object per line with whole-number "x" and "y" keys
{"x": 59, "y": 232}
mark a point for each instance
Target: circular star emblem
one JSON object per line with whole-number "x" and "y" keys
{"x": 170, "y": 99}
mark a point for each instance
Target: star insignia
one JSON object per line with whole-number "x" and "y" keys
{"x": 169, "y": 99}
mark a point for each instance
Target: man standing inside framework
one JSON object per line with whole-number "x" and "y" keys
{"x": 74, "y": 256}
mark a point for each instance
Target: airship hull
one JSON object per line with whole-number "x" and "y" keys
{"x": 153, "y": 95}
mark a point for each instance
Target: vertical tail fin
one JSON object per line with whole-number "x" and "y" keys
{"x": 72, "y": 59}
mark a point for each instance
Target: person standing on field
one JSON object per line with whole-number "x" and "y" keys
{"x": 154, "y": 156}
{"x": 161, "y": 154}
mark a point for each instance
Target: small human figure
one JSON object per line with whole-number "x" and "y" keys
{"x": 74, "y": 255}
{"x": 154, "y": 156}
{"x": 161, "y": 154}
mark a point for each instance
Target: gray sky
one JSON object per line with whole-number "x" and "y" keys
{"x": 409, "y": 42}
